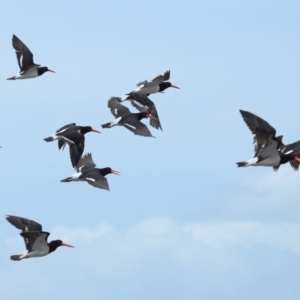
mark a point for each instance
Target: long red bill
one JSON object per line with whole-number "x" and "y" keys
{"x": 174, "y": 86}
{"x": 51, "y": 71}
{"x": 297, "y": 158}
{"x": 115, "y": 172}
{"x": 151, "y": 117}
{"x": 64, "y": 244}
{"x": 96, "y": 130}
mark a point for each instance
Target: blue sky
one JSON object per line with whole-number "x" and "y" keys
{"x": 182, "y": 221}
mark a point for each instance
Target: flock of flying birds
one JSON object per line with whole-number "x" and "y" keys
{"x": 74, "y": 136}
{"x": 269, "y": 148}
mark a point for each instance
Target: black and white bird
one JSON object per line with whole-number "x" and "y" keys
{"x": 141, "y": 102}
{"x": 87, "y": 172}
{"x": 73, "y": 136}
{"x": 127, "y": 119}
{"x": 28, "y": 69}
{"x": 158, "y": 84}
{"x": 269, "y": 149}
{"x": 35, "y": 239}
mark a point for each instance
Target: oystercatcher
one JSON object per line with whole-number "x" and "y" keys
{"x": 35, "y": 239}
{"x": 158, "y": 84}
{"x": 87, "y": 172}
{"x": 28, "y": 69}
{"x": 142, "y": 102}
{"x": 127, "y": 119}
{"x": 269, "y": 149}
{"x": 73, "y": 136}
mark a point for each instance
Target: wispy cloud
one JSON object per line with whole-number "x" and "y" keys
{"x": 109, "y": 254}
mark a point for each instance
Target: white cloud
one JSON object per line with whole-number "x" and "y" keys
{"x": 268, "y": 191}
{"x": 191, "y": 243}
{"x": 211, "y": 251}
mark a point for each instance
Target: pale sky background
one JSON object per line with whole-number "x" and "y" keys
{"x": 182, "y": 221}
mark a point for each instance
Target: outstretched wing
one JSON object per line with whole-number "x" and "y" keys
{"x": 24, "y": 224}
{"x": 64, "y": 128}
{"x": 254, "y": 122}
{"x": 136, "y": 126}
{"x": 161, "y": 78}
{"x": 85, "y": 163}
{"x": 76, "y": 150}
{"x": 142, "y": 103}
{"x": 142, "y": 83}
{"x": 24, "y": 55}
{"x": 116, "y": 108}
{"x": 35, "y": 240}
{"x": 97, "y": 180}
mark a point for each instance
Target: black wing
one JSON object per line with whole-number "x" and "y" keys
{"x": 161, "y": 78}
{"x": 85, "y": 163}
{"x": 61, "y": 130}
{"x": 294, "y": 150}
{"x": 263, "y": 139}
{"x": 254, "y": 122}
{"x": 35, "y": 240}
{"x": 132, "y": 123}
{"x": 295, "y": 164}
{"x": 94, "y": 178}
{"x": 61, "y": 142}
{"x": 116, "y": 108}
{"x": 142, "y": 103}
{"x": 24, "y": 224}
{"x": 24, "y": 55}
{"x": 76, "y": 151}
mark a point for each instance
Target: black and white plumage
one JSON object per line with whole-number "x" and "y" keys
{"x": 127, "y": 119}
{"x": 269, "y": 148}
{"x": 158, "y": 84}
{"x": 142, "y": 103}
{"x": 290, "y": 153}
{"x": 73, "y": 136}
{"x": 28, "y": 69}
{"x": 87, "y": 172}
{"x": 35, "y": 239}
{"x": 266, "y": 151}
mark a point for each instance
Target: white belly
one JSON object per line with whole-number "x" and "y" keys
{"x": 31, "y": 73}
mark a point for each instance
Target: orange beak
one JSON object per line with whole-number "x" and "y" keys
{"x": 297, "y": 158}
{"x": 151, "y": 117}
{"x": 96, "y": 130}
{"x": 63, "y": 244}
{"x": 115, "y": 172}
{"x": 174, "y": 86}
{"x": 51, "y": 71}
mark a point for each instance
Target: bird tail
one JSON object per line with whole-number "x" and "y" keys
{"x": 12, "y": 78}
{"x": 16, "y": 257}
{"x": 124, "y": 97}
{"x": 107, "y": 125}
{"x": 242, "y": 164}
{"x": 68, "y": 179}
{"x": 49, "y": 139}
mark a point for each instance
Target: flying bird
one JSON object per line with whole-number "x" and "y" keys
{"x": 35, "y": 239}
{"x": 73, "y": 136}
{"x": 87, "y": 172}
{"x": 141, "y": 102}
{"x": 158, "y": 84}
{"x": 127, "y": 119}
{"x": 269, "y": 148}
{"x": 28, "y": 69}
